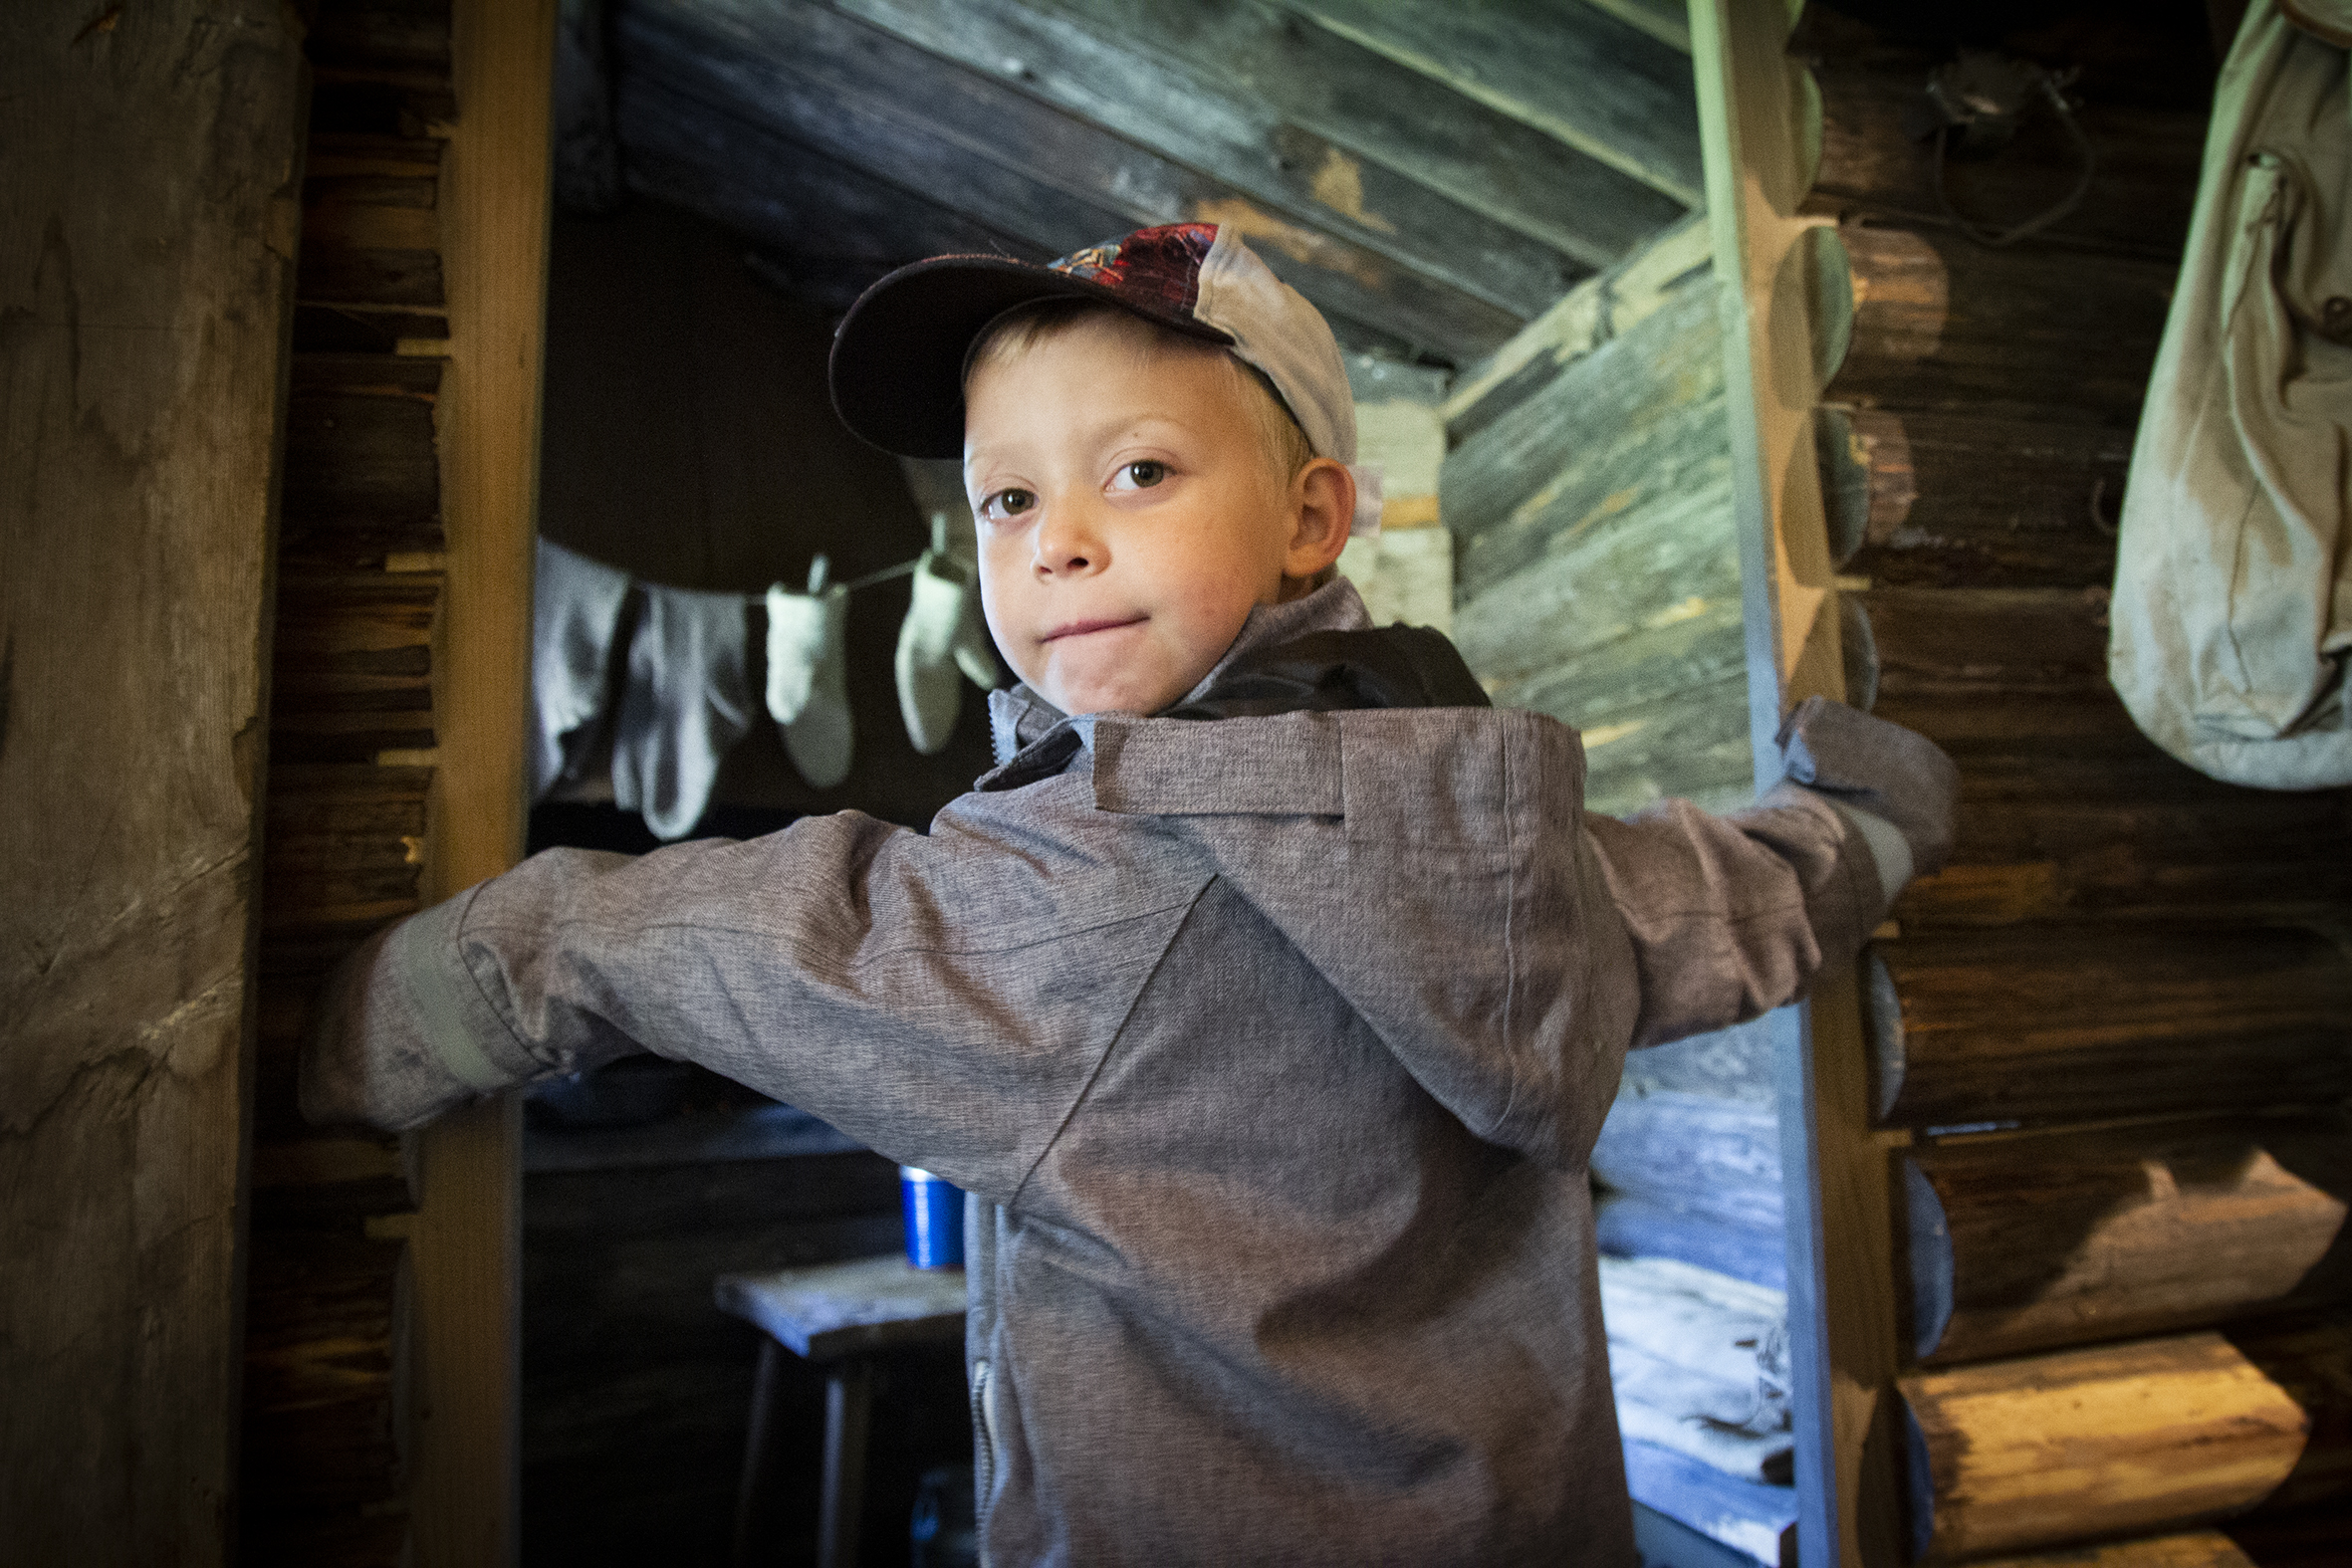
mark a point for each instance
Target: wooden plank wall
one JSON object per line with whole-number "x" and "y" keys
{"x": 353, "y": 731}
{"x": 146, "y": 241}
{"x": 396, "y": 749}
{"x": 1588, "y": 492}
{"x": 2108, "y": 1045}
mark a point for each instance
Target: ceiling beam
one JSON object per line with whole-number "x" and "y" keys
{"x": 1611, "y": 90}
{"x": 1121, "y": 80}
{"x": 795, "y": 75}
{"x": 1375, "y": 110}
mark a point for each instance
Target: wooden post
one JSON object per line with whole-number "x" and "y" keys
{"x": 466, "y": 1242}
{"x": 1784, "y": 334}
{"x": 148, "y": 226}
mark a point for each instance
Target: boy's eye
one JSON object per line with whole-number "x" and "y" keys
{"x": 1141, "y": 475}
{"x": 1006, "y": 503}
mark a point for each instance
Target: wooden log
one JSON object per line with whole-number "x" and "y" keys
{"x": 400, "y": 36}
{"x": 361, "y": 457}
{"x": 1628, "y": 1226}
{"x": 1690, "y": 746}
{"x": 1751, "y": 1518}
{"x": 1871, "y": 166}
{"x": 2045, "y": 836}
{"x": 2025, "y": 1243}
{"x": 2082, "y": 1022}
{"x": 1402, "y": 121}
{"x": 1580, "y": 320}
{"x": 344, "y": 275}
{"x": 1590, "y": 443}
{"x": 1052, "y": 173}
{"x": 350, "y": 329}
{"x": 374, "y": 104}
{"x": 1607, "y": 89}
{"x": 2190, "y": 1549}
{"x": 1942, "y": 322}
{"x": 1935, "y": 498}
{"x": 2000, "y": 668}
{"x": 148, "y": 223}
{"x": 2132, "y": 1438}
{"x": 932, "y": 122}
{"x": 1716, "y": 1158}
{"x": 321, "y": 1368}
{"x": 399, "y": 158}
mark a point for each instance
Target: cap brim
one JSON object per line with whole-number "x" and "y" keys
{"x": 897, "y": 366}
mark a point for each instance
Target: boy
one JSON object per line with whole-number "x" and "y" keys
{"x": 1272, "y": 1032}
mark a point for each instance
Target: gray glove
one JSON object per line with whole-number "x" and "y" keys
{"x": 1878, "y": 767}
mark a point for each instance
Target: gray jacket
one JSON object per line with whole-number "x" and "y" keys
{"x": 1275, "y": 1046}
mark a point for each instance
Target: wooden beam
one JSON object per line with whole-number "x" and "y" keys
{"x": 149, "y": 222}
{"x": 2191, "y": 1549}
{"x": 1610, "y": 90}
{"x": 2034, "y": 336}
{"x": 2125, "y": 1440}
{"x": 2074, "y": 1023}
{"x": 1780, "y": 333}
{"x": 465, "y": 1244}
{"x": 2142, "y": 1229}
{"x": 1004, "y": 93}
{"x": 1873, "y": 168}
{"x": 1368, "y": 106}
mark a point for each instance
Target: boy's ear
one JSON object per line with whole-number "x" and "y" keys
{"x": 1323, "y": 505}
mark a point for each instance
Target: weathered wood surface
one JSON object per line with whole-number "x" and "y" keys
{"x": 1638, "y": 1227}
{"x": 2066, "y": 810}
{"x": 2191, "y": 1549}
{"x": 1716, "y": 1158}
{"x": 464, "y": 1247}
{"x": 2038, "y": 336}
{"x": 1596, "y": 574}
{"x": 2024, "y": 1244}
{"x": 871, "y": 98}
{"x": 1580, "y": 320}
{"x": 1038, "y": 123}
{"x": 148, "y": 221}
{"x": 1607, "y": 89}
{"x": 1368, "y": 106}
{"x": 2080, "y": 1023}
{"x": 2123, "y": 1439}
{"x": 2138, "y": 204}
{"x": 1935, "y": 498}
{"x": 1841, "y": 1291}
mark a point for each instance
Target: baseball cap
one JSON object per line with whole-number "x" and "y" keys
{"x": 898, "y": 358}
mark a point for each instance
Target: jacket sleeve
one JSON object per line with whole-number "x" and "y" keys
{"x": 1733, "y": 916}
{"x": 905, "y": 987}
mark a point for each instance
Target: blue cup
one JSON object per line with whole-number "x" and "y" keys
{"x": 934, "y": 1220}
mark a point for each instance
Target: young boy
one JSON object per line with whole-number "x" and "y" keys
{"x": 1271, "y": 1031}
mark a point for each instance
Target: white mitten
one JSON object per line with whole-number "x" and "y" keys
{"x": 808, "y": 675}
{"x": 943, "y": 632}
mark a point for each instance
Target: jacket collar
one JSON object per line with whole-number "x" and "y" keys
{"x": 1020, "y": 719}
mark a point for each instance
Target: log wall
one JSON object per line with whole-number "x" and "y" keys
{"x": 2110, "y": 1044}
{"x": 147, "y": 219}
{"x": 353, "y": 749}
{"x": 1588, "y": 490}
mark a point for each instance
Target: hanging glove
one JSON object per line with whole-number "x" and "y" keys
{"x": 808, "y": 675}
{"x": 687, "y": 701}
{"x": 944, "y": 631}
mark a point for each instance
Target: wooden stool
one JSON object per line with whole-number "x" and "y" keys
{"x": 836, "y": 1317}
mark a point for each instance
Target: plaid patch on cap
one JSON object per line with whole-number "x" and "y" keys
{"x": 1160, "y": 266}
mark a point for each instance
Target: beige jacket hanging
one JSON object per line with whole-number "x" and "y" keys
{"x": 2233, "y": 610}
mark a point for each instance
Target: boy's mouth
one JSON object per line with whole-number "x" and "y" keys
{"x": 1082, "y": 629}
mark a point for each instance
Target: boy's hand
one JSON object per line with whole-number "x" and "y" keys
{"x": 1878, "y": 767}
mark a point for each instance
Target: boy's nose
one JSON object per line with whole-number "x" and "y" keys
{"x": 1066, "y": 546}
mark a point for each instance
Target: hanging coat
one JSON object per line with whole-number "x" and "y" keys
{"x": 2232, "y": 609}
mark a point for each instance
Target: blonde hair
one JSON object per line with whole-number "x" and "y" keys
{"x": 1279, "y": 438}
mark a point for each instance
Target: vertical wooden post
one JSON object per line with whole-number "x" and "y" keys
{"x": 1759, "y": 127}
{"x": 466, "y": 1242}
{"x": 148, "y": 217}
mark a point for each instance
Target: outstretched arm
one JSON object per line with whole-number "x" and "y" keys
{"x": 1733, "y": 916}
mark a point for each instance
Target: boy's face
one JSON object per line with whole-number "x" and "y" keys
{"x": 1129, "y": 517}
